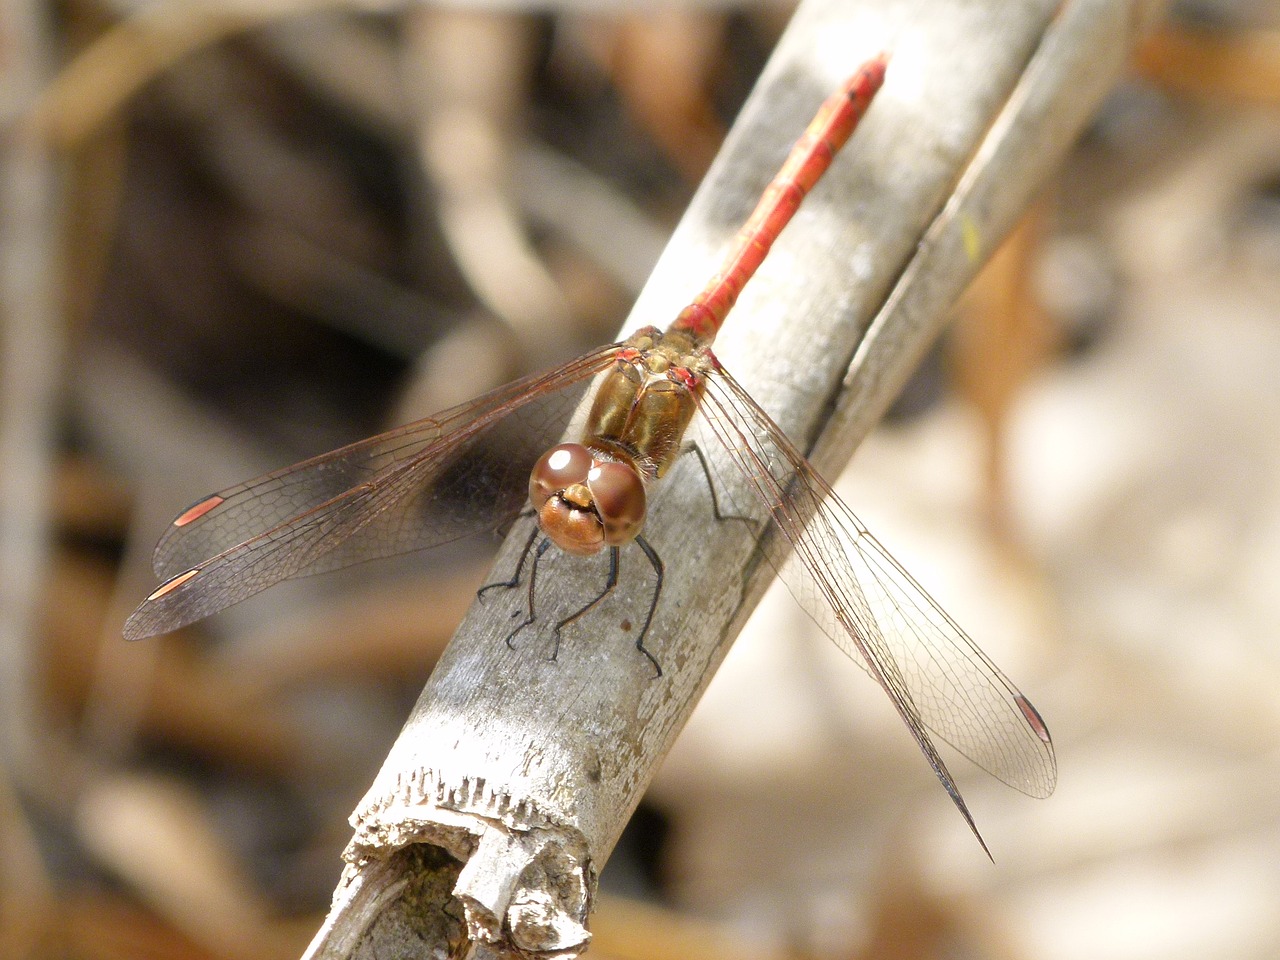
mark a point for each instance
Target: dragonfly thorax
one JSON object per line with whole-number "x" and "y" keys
{"x": 585, "y": 499}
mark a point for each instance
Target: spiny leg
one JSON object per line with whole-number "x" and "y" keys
{"x": 524, "y": 555}
{"x": 693, "y": 448}
{"x": 611, "y": 582}
{"x": 656, "y": 562}
{"x": 754, "y": 524}
{"x": 533, "y": 578}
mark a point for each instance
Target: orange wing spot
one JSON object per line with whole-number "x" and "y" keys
{"x": 173, "y": 583}
{"x": 199, "y": 510}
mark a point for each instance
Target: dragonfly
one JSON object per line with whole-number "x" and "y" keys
{"x": 485, "y": 462}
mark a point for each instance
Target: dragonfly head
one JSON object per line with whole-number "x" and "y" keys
{"x": 585, "y": 503}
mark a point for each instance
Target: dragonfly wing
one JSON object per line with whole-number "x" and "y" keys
{"x": 938, "y": 678}
{"x": 436, "y": 480}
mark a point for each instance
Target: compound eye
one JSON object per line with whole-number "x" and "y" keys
{"x": 618, "y": 494}
{"x": 559, "y": 468}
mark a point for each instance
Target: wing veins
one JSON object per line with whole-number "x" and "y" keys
{"x": 992, "y": 730}
{"x": 307, "y": 536}
{"x": 266, "y": 501}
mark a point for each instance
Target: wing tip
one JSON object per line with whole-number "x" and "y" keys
{"x": 954, "y": 793}
{"x": 136, "y": 627}
{"x": 140, "y": 624}
{"x": 1031, "y": 715}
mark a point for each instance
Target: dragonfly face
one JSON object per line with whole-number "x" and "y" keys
{"x": 585, "y": 502}
{"x": 592, "y": 494}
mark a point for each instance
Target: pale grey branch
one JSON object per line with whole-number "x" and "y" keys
{"x": 527, "y": 769}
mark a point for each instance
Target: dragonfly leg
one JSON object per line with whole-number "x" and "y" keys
{"x": 711, "y": 486}
{"x": 507, "y": 526}
{"x": 524, "y": 555}
{"x": 533, "y": 578}
{"x": 656, "y": 562}
{"x": 611, "y": 582}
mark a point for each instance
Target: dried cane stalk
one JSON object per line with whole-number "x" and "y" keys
{"x": 525, "y": 770}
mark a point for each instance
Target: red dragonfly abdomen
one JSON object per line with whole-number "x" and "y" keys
{"x": 592, "y": 494}
{"x": 807, "y": 162}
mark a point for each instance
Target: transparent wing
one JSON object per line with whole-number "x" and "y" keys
{"x": 936, "y": 676}
{"x": 418, "y": 486}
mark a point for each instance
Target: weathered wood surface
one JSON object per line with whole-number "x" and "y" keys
{"x": 526, "y": 769}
